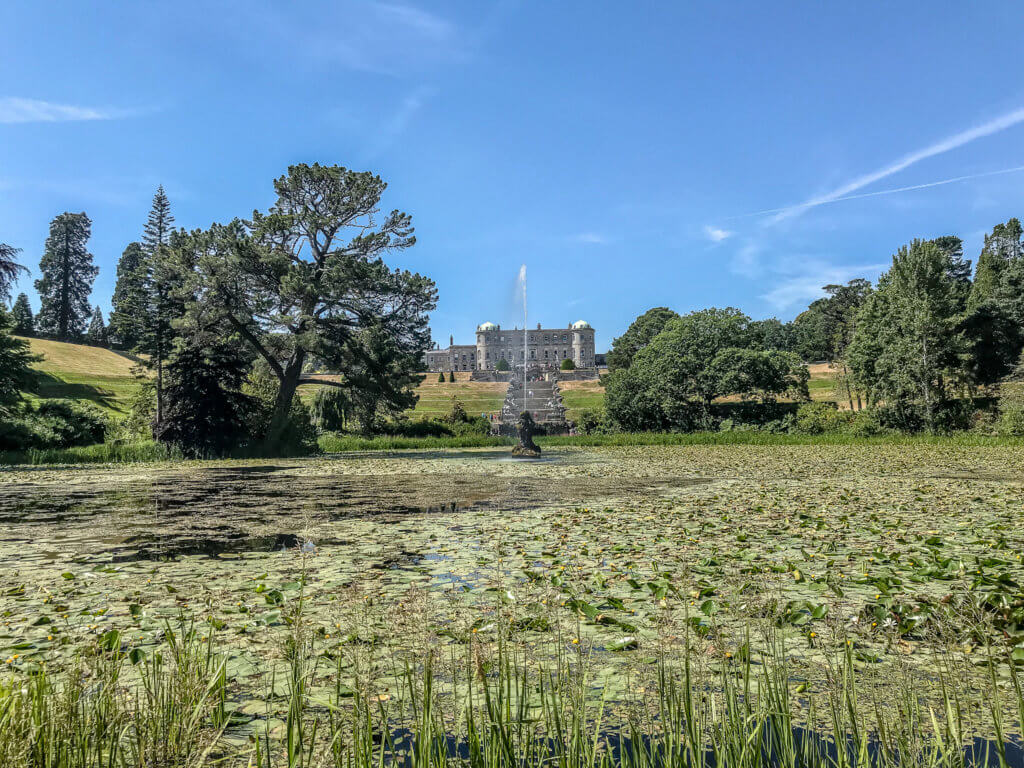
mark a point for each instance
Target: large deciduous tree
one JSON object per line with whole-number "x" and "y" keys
{"x": 638, "y": 336}
{"x": 130, "y": 306}
{"x": 306, "y": 280}
{"x": 67, "y": 276}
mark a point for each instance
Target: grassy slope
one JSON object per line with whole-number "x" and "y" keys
{"x": 81, "y": 372}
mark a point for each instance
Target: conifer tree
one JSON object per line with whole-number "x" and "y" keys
{"x": 97, "y": 333}
{"x": 21, "y": 314}
{"x": 15, "y": 371}
{"x": 159, "y": 335}
{"x": 129, "y": 316}
{"x": 68, "y": 273}
{"x": 9, "y": 269}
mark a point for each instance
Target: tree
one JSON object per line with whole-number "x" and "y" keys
{"x": 330, "y": 410}
{"x": 568, "y": 365}
{"x": 205, "y": 411}
{"x": 440, "y": 378}
{"x": 130, "y": 306}
{"x": 697, "y": 358}
{"x": 1003, "y": 246}
{"x": 161, "y": 279}
{"x": 911, "y": 326}
{"x": 97, "y": 332}
{"x": 67, "y": 276}
{"x": 771, "y": 334}
{"x": 293, "y": 289}
{"x": 451, "y": 376}
{"x": 15, "y": 366}
{"x": 21, "y": 315}
{"x": 502, "y": 365}
{"x": 9, "y": 269}
{"x": 638, "y": 336}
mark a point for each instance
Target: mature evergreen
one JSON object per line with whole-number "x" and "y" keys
{"x": 294, "y": 289}
{"x": 97, "y": 332}
{"x": 15, "y": 371}
{"x": 162, "y": 309}
{"x": 21, "y": 315}
{"x": 1002, "y": 247}
{"x": 638, "y": 336}
{"x": 67, "y": 277}
{"x": 130, "y": 306}
{"x": 205, "y": 411}
{"x": 909, "y": 350}
{"x": 9, "y": 269}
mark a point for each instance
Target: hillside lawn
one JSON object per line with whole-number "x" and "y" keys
{"x": 80, "y": 372}
{"x": 104, "y": 377}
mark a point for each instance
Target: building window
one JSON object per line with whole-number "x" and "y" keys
{"x": 545, "y": 354}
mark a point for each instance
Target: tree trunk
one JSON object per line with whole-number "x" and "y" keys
{"x": 289, "y": 383}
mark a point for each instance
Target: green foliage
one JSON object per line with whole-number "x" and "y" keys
{"x": 67, "y": 276}
{"x": 15, "y": 371}
{"x": 591, "y": 421}
{"x": 205, "y": 412}
{"x": 451, "y": 376}
{"x": 1011, "y": 420}
{"x": 97, "y": 332}
{"x": 9, "y": 269}
{"x": 567, "y": 364}
{"x": 818, "y": 419}
{"x": 697, "y": 358}
{"x": 826, "y": 328}
{"x": 299, "y": 436}
{"x": 130, "y": 313}
{"x": 21, "y": 316}
{"x": 293, "y": 288}
{"x": 457, "y": 413}
{"x": 639, "y": 334}
{"x": 71, "y": 423}
{"x": 138, "y": 424}
{"x": 909, "y": 349}
{"x": 440, "y": 378}
{"x": 502, "y": 365}
{"x": 330, "y": 410}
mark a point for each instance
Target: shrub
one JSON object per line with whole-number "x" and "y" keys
{"x": 1011, "y": 420}
{"x": 501, "y": 365}
{"x": 818, "y": 419}
{"x": 591, "y": 422}
{"x": 25, "y": 433}
{"x": 863, "y": 424}
{"x": 330, "y": 410}
{"x": 72, "y": 423}
{"x": 419, "y": 428}
{"x": 440, "y": 378}
{"x": 475, "y": 426}
{"x": 138, "y": 425}
{"x": 568, "y": 365}
{"x": 451, "y": 376}
{"x": 457, "y": 413}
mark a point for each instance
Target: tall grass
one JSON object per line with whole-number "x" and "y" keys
{"x": 490, "y": 706}
{"x": 101, "y": 453}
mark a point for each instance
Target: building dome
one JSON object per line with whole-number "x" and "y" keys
{"x": 579, "y": 325}
{"x": 487, "y": 327}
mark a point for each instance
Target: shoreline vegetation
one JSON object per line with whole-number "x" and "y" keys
{"x": 151, "y": 451}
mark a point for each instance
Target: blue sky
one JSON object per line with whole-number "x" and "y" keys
{"x": 631, "y": 154}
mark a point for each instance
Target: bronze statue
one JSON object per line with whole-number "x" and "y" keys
{"x": 527, "y": 428}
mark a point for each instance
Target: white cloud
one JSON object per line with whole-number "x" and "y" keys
{"x": 1001, "y": 123}
{"x": 745, "y": 262}
{"x": 18, "y": 110}
{"x": 716, "y": 234}
{"x": 589, "y": 237}
{"x": 803, "y": 288}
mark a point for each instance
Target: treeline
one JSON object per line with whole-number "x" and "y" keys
{"x": 231, "y": 320}
{"x": 924, "y": 349}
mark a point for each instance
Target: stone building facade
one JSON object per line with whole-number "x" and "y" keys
{"x": 542, "y": 347}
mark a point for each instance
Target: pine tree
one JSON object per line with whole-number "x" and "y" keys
{"x": 21, "y": 314}
{"x": 1002, "y": 247}
{"x": 97, "y": 333}
{"x": 159, "y": 336}
{"x": 9, "y": 269}
{"x": 68, "y": 274}
{"x": 15, "y": 361}
{"x": 129, "y": 317}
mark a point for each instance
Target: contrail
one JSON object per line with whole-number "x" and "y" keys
{"x": 953, "y": 180}
{"x": 945, "y": 145}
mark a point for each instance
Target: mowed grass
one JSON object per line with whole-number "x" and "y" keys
{"x": 80, "y": 372}
{"x": 581, "y": 396}
{"x": 822, "y": 385}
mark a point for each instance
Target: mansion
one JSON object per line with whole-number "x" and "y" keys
{"x": 542, "y": 347}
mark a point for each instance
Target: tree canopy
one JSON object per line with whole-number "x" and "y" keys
{"x": 638, "y": 336}
{"x": 306, "y": 280}
{"x": 67, "y": 276}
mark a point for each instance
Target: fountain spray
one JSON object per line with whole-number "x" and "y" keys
{"x": 522, "y": 287}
